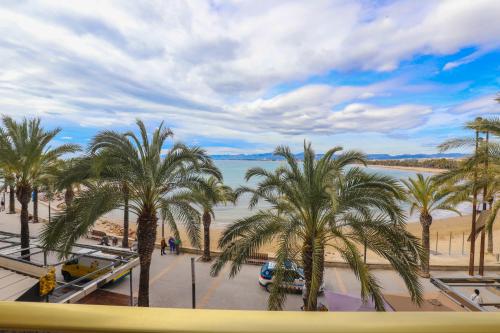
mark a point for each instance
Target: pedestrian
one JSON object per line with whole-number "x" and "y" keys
{"x": 476, "y": 297}
{"x": 171, "y": 244}
{"x": 177, "y": 245}
{"x": 163, "y": 245}
{"x": 2, "y": 205}
{"x": 135, "y": 246}
{"x": 304, "y": 297}
{"x": 104, "y": 240}
{"x": 115, "y": 241}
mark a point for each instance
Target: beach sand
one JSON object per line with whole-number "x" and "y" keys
{"x": 404, "y": 168}
{"x": 454, "y": 252}
{"x": 448, "y": 253}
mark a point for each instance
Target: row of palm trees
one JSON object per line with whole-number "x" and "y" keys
{"x": 477, "y": 180}
{"x": 118, "y": 170}
{"x": 26, "y": 158}
{"x": 314, "y": 204}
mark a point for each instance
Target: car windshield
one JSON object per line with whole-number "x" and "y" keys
{"x": 73, "y": 261}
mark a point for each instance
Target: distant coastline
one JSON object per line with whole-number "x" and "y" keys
{"x": 431, "y": 163}
{"x": 373, "y": 157}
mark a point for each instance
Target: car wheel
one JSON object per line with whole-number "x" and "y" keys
{"x": 66, "y": 276}
{"x": 268, "y": 287}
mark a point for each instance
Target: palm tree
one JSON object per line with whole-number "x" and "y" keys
{"x": 25, "y": 151}
{"x": 48, "y": 187}
{"x": 491, "y": 183}
{"x": 318, "y": 204}
{"x": 426, "y": 196}
{"x": 157, "y": 182}
{"x": 35, "y": 203}
{"x": 213, "y": 193}
{"x": 10, "y": 181}
{"x": 126, "y": 210}
{"x": 6, "y": 181}
{"x": 476, "y": 178}
{"x": 72, "y": 173}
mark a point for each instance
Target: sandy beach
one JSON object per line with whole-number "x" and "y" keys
{"x": 449, "y": 245}
{"x": 451, "y": 234}
{"x": 416, "y": 169}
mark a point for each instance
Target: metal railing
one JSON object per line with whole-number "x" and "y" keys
{"x": 94, "y": 318}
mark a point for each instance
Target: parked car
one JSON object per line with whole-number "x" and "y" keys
{"x": 294, "y": 276}
{"x": 86, "y": 261}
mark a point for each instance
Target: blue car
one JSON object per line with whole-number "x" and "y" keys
{"x": 294, "y": 276}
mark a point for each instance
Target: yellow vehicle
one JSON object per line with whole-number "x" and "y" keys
{"x": 81, "y": 265}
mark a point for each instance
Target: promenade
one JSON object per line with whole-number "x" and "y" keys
{"x": 170, "y": 280}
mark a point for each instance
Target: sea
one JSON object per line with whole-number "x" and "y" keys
{"x": 234, "y": 171}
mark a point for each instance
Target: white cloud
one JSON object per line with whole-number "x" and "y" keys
{"x": 205, "y": 66}
{"x": 483, "y": 105}
{"x": 366, "y": 118}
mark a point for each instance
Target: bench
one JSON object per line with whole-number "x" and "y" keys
{"x": 257, "y": 258}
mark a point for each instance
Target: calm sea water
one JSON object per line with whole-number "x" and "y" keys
{"x": 234, "y": 176}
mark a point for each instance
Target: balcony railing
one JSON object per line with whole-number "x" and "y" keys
{"x": 93, "y": 318}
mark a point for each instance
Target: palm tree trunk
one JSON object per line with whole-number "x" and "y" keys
{"x": 490, "y": 240}
{"x": 320, "y": 256}
{"x": 69, "y": 194}
{"x": 307, "y": 260}
{"x": 23, "y": 195}
{"x": 490, "y": 232}
{"x": 35, "y": 204}
{"x": 50, "y": 213}
{"x": 206, "y": 234}
{"x": 426, "y": 221}
{"x": 146, "y": 243}
{"x": 12, "y": 200}
{"x": 162, "y": 228}
{"x": 125, "y": 217}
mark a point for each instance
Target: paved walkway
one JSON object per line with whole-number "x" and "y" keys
{"x": 170, "y": 280}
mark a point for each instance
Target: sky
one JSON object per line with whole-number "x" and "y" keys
{"x": 246, "y": 76}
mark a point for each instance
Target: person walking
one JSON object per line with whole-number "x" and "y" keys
{"x": 163, "y": 245}
{"x": 304, "y": 297}
{"x": 104, "y": 240}
{"x": 134, "y": 246}
{"x": 476, "y": 297}
{"x": 177, "y": 246}
{"x": 2, "y": 205}
{"x": 171, "y": 244}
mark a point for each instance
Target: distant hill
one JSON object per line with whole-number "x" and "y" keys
{"x": 271, "y": 157}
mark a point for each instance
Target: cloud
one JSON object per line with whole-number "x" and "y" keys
{"x": 483, "y": 105}
{"x": 326, "y": 109}
{"x": 365, "y": 117}
{"x": 205, "y": 66}
{"x": 465, "y": 60}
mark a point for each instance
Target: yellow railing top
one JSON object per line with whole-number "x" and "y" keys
{"x": 95, "y": 318}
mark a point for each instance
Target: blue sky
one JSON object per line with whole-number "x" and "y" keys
{"x": 245, "y": 76}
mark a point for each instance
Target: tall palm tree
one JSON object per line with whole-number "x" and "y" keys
{"x": 47, "y": 186}
{"x": 476, "y": 178}
{"x": 491, "y": 186}
{"x": 72, "y": 173}
{"x": 10, "y": 181}
{"x": 213, "y": 193}
{"x": 157, "y": 182}
{"x": 126, "y": 214}
{"x": 35, "y": 202}
{"x": 25, "y": 151}
{"x": 426, "y": 196}
{"x": 320, "y": 203}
